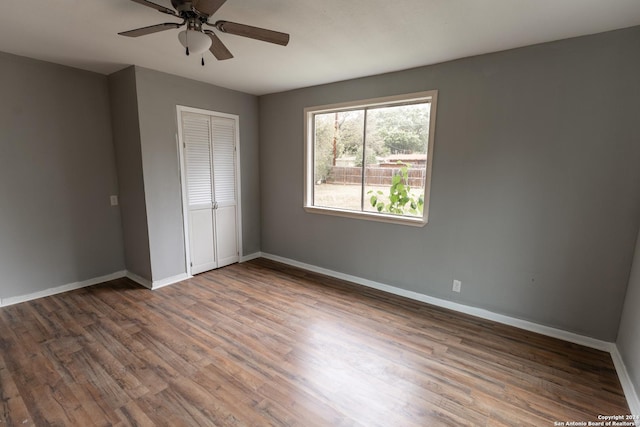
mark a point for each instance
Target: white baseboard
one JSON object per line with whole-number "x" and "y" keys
{"x": 627, "y": 385}
{"x": 473, "y": 311}
{"x": 249, "y": 257}
{"x": 139, "y": 280}
{"x": 157, "y": 284}
{"x": 625, "y": 380}
{"x": 59, "y": 289}
{"x": 90, "y": 282}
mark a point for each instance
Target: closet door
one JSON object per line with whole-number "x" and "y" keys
{"x": 196, "y": 134}
{"x": 211, "y": 203}
{"x": 224, "y": 171}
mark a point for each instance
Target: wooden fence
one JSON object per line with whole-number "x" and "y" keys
{"x": 373, "y": 176}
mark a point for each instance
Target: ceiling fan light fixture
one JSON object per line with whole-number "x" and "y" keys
{"x": 195, "y": 41}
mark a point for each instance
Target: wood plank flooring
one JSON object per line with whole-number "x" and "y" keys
{"x": 261, "y": 343}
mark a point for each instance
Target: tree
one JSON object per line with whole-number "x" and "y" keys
{"x": 401, "y": 129}
{"x": 389, "y": 130}
{"x": 336, "y": 135}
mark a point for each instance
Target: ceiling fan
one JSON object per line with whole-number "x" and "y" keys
{"x": 195, "y": 14}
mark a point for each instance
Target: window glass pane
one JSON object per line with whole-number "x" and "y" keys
{"x": 338, "y": 159}
{"x": 396, "y": 158}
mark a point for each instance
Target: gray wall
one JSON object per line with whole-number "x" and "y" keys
{"x": 158, "y": 95}
{"x": 57, "y": 171}
{"x": 629, "y": 334}
{"x": 535, "y": 192}
{"x": 126, "y": 141}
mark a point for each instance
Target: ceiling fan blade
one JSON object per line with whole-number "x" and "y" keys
{"x": 156, "y": 7}
{"x": 253, "y": 32}
{"x": 208, "y": 7}
{"x": 218, "y": 48}
{"x": 151, "y": 29}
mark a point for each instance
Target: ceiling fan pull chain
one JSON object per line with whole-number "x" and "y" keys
{"x": 203, "y": 60}
{"x": 187, "y": 42}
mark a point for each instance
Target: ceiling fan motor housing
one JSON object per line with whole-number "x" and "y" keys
{"x": 183, "y": 6}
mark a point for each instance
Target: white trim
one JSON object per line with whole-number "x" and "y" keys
{"x": 183, "y": 181}
{"x": 139, "y": 280}
{"x": 473, "y": 311}
{"x": 403, "y": 98}
{"x": 238, "y": 188}
{"x": 157, "y": 284}
{"x": 625, "y": 380}
{"x": 4, "y": 302}
{"x": 249, "y": 257}
{"x": 60, "y": 289}
{"x": 370, "y": 216}
{"x": 627, "y": 384}
{"x": 183, "y": 190}
{"x": 430, "y": 96}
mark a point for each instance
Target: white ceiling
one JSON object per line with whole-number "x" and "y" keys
{"x": 331, "y": 40}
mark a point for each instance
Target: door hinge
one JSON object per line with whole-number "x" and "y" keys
{"x": 191, "y": 264}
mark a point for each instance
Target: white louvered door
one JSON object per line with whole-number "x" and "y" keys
{"x": 209, "y": 151}
{"x": 224, "y": 173}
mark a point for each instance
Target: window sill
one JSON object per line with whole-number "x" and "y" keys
{"x": 368, "y": 216}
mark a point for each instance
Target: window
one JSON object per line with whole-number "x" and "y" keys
{"x": 371, "y": 159}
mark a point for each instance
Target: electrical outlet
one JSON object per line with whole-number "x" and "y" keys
{"x": 457, "y": 284}
{"x": 114, "y": 200}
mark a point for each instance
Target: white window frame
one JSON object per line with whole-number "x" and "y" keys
{"x": 430, "y": 96}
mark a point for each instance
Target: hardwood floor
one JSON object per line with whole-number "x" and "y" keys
{"x": 261, "y": 343}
